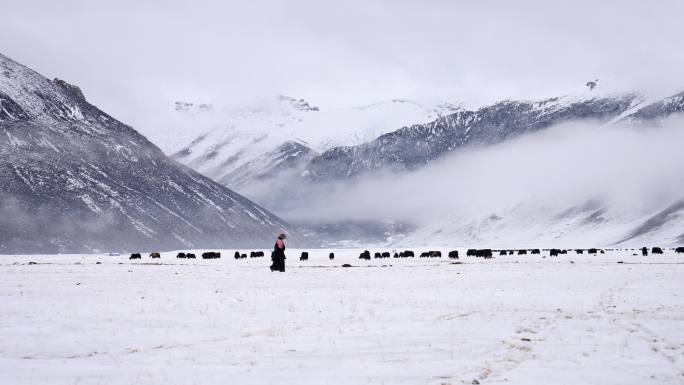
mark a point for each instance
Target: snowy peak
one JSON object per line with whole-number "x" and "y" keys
{"x": 190, "y": 107}
{"x": 298, "y": 104}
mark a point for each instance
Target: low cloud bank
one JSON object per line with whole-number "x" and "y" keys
{"x": 636, "y": 169}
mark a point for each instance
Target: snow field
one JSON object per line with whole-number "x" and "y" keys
{"x": 574, "y": 319}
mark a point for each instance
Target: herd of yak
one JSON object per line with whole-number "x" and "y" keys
{"x": 481, "y": 253}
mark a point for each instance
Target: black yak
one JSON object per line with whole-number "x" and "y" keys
{"x": 135, "y": 256}
{"x": 331, "y": 256}
{"x": 180, "y": 255}
{"x": 679, "y": 250}
{"x": 155, "y": 255}
{"x": 484, "y": 253}
{"x": 365, "y": 255}
{"x": 536, "y": 251}
{"x": 453, "y": 254}
{"x": 304, "y": 256}
{"x": 656, "y": 250}
{"x": 190, "y": 256}
{"x": 522, "y": 252}
{"x": 211, "y": 255}
{"x": 644, "y": 251}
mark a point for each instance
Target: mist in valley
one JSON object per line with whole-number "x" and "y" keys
{"x": 619, "y": 173}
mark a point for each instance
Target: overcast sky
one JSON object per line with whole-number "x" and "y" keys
{"x": 127, "y": 55}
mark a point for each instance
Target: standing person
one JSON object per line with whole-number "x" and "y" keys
{"x": 279, "y": 254}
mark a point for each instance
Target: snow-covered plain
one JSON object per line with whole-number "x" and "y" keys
{"x": 573, "y": 319}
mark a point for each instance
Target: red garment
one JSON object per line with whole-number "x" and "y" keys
{"x": 280, "y": 244}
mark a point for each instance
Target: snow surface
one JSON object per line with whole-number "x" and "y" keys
{"x": 574, "y": 319}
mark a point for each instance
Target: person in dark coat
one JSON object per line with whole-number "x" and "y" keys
{"x": 278, "y": 256}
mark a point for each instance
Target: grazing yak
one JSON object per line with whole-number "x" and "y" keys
{"x": 592, "y": 251}
{"x": 484, "y": 253}
{"x": 211, "y": 255}
{"x": 331, "y": 256}
{"x": 679, "y": 250}
{"x": 554, "y": 252}
{"x": 522, "y": 252}
{"x": 304, "y": 256}
{"x": 190, "y": 256}
{"x": 180, "y": 255}
{"x": 135, "y": 256}
{"x": 503, "y": 252}
{"x": 656, "y": 250}
{"x": 155, "y": 255}
{"x": 237, "y": 255}
{"x": 579, "y": 251}
{"x": 386, "y": 254}
{"x": 453, "y": 254}
{"x": 536, "y": 251}
{"x": 256, "y": 254}
{"x": 481, "y": 253}
{"x": 365, "y": 255}
{"x": 408, "y": 254}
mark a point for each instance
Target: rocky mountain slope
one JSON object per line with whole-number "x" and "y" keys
{"x": 417, "y": 145}
{"x": 73, "y": 178}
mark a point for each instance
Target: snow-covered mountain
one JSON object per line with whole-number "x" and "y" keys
{"x": 73, "y": 178}
{"x": 316, "y": 167}
{"x": 419, "y": 144}
{"x": 576, "y": 184}
{"x": 243, "y": 145}
{"x": 584, "y": 225}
